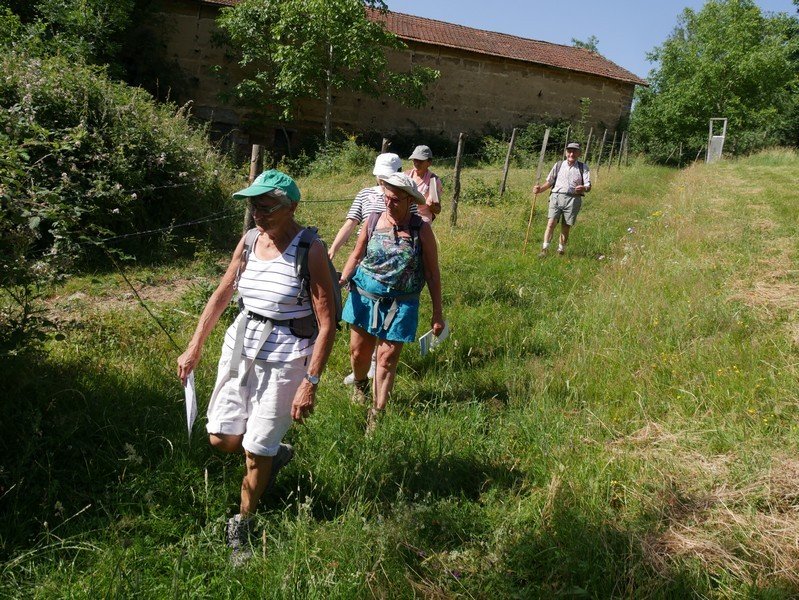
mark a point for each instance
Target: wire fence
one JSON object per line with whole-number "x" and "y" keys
{"x": 608, "y": 151}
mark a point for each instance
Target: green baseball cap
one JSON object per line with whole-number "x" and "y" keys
{"x": 268, "y": 181}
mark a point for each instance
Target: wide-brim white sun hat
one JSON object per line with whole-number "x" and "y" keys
{"x": 402, "y": 182}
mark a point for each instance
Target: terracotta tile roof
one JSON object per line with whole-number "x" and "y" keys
{"x": 439, "y": 33}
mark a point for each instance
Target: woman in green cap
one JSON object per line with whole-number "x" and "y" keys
{"x": 275, "y": 350}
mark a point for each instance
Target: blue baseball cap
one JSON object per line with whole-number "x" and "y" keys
{"x": 269, "y": 181}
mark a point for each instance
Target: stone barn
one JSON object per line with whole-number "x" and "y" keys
{"x": 489, "y": 81}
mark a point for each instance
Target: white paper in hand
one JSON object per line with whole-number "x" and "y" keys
{"x": 191, "y": 401}
{"x": 429, "y": 341}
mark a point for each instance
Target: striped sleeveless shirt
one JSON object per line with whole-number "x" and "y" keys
{"x": 270, "y": 288}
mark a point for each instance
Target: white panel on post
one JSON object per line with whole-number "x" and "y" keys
{"x": 715, "y": 143}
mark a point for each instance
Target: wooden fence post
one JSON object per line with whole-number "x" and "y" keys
{"x": 622, "y": 141}
{"x": 601, "y": 150}
{"x": 256, "y": 162}
{"x": 456, "y": 188}
{"x": 507, "y": 162}
{"x": 698, "y": 153}
{"x": 385, "y": 146}
{"x": 588, "y": 145}
{"x": 612, "y": 147}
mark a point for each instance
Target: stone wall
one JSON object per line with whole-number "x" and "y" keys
{"x": 475, "y": 92}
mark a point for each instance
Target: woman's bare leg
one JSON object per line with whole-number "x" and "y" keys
{"x": 388, "y": 354}
{"x": 362, "y": 345}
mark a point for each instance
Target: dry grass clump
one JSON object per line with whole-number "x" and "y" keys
{"x": 749, "y": 531}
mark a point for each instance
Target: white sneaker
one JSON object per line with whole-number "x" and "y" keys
{"x": 350, "y": 379}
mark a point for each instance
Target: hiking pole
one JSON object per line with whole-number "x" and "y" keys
{"x": 537, "y": 179}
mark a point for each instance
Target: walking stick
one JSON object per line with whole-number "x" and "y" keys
{"x": 529, "y": 223}
{"x": 537, "y": 179}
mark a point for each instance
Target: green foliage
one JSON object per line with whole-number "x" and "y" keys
{"x": 91, "y": 28}
{"x": 478, "y": 191}
{"x": 580, "y": 132}
{"x": 87, "y": 30}
{"x": 344, "y": 158}
{"x": 294, "y": 49}
{"x": 726, "y": 60}
{"x": 83, "y": 159}
{"x": 527, "y": 147}
{"x": 335, "y": 158}
{"x": 590, "y": 44}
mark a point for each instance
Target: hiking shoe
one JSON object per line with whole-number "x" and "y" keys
{"x": 360, "y": 392}
{"x": 283, "y": 457}
{"x": 237, "y": 537}
{"x": 372, "y": 419}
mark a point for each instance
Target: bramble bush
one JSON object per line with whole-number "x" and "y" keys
{"x": 83, "y": 159}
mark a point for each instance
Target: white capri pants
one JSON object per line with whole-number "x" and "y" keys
{"x": 261, "y": 407}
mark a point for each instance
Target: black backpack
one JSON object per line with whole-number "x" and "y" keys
{"x": 307, "y": 237}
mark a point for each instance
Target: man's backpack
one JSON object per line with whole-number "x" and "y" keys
{"x": 307, "y": 237}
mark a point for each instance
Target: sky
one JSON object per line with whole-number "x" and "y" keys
{"x": 627, "y": 29}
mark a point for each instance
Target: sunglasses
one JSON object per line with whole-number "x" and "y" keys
{"x": 265, "y": 209}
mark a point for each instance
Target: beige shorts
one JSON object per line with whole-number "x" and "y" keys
{"x": 261, "y": 407}
{"x": 566, "y": 205}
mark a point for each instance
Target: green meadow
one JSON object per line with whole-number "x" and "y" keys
{"x": 617, "y": 422}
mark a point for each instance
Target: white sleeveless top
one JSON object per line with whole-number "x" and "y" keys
{"x": 269, "y": 288}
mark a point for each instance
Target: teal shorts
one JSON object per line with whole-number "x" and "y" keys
{"x": 358, "y": 311}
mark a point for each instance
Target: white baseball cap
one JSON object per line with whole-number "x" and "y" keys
{"x": 386, "y": 164}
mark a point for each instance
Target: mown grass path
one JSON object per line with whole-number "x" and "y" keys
{"x": 616, "y": 422}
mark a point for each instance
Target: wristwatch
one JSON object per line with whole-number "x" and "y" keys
{"x": 312, "y": 379}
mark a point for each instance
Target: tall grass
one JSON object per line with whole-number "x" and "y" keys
{"x": 615, "y": 422}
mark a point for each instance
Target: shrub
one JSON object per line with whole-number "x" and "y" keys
{"x": 83, "y": 158}
{"x": 527, "y": 146}
{"x": 345, "y": 158}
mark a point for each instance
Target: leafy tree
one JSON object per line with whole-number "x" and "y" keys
{"x": 295, "y": 49}
{"x": 727, "y": 60}
{"x": 591, "y": 43}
